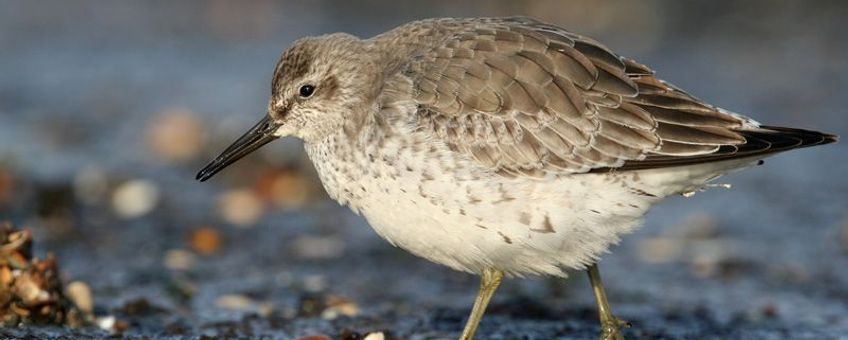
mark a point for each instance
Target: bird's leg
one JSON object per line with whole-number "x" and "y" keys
{"x": 489, "y": 282}
{"x": 610, "y": 325}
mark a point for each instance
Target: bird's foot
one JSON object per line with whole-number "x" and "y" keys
{"x": 611, "y": 329}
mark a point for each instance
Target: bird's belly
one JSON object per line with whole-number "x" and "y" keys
{"x": 518, "y": 226}
{"x": 444, "y": 209}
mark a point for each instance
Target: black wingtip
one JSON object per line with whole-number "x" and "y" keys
{"x": 829, "y": 138}
{"x": 807, "y": 137}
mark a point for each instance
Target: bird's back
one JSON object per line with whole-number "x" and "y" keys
{"x": 526, "y": 98}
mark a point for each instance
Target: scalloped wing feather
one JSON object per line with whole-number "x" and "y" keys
{"x": 525, "y": 98}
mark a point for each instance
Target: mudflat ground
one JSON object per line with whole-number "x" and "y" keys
{"x": 259, "y": 252}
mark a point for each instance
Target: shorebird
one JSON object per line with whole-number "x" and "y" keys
{"x": 500, "y": 146}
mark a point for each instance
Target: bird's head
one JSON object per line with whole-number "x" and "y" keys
{"x": 319, "y": 85}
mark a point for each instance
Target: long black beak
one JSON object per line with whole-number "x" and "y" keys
{"x": 260, "y": 134}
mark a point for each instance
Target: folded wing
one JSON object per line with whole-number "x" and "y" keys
{"x": 527, "y": 98}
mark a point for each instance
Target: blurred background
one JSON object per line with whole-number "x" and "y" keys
{"x": 108, "y": 109}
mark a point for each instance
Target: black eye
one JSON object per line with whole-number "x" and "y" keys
{"x": 306, "y": 90}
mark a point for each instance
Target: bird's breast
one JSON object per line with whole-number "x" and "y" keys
{"x": 424, "y": 199}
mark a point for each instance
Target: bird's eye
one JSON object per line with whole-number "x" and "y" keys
{"x": 306, "y": 90}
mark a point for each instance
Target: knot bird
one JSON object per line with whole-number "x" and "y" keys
{"x": 500, "y": 146}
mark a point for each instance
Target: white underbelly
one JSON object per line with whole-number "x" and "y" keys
{"x": 518, "y": 226}
{"x": 459, "y": 216}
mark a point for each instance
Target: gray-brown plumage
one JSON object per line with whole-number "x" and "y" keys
{"x": 500, "y": 146}
{"x": 524, "y": 97}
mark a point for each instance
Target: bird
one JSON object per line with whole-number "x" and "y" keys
{"x": 501, "y": 147}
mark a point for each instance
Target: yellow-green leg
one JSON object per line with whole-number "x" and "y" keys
{"x": 610, "y": 325}
{"x": 489, "y": 282}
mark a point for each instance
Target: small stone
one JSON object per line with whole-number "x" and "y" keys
{"x": 338, "y": 306}
{"x": 375, "y": 336}
{"x": 135, "y": 198}
{"x": 241, "y": 208}
{"x": 205, "y": 241}
{"x": 106, "y": 322}
{"x": 179, "y": 259}
{"x": 80, "y": 295}
{"x": 177, "y": 135}
{"x": 29, "y": 291}
{"x": 112, "y": 324}
{"x": 234, "y": 302}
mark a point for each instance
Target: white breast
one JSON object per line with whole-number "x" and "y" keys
{"x": 421, "y": 197}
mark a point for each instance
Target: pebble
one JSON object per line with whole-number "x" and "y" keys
{"x": 135, "y": 198}
{"x": 29, "y": 291}
{"x": 179, "y": 259}
{"x": 375, "y": 336}
{"x": 106, "y": 322}
{"x": 177, "y": 135}
{"x": 241, "y": 207}
{"x": 235, "y": 302}
{"x": 339, "y": 306}
{"x": 80, "y": 295}
{"x": 111, "y": 324}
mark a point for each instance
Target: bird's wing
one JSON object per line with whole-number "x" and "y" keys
{"x": 523, "y": 97}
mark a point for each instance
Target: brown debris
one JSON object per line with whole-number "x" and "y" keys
{"x": 328, "y": 307}
{"x": 30, "y": 289}
{"x": 285, "y": 188}
{"x": 7, "y": 187}
{"x": 205, "y": 241}
{"x": 314, "y": 337}
{"x": 339, "y": 306}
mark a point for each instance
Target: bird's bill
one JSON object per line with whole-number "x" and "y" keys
{"x": 260, "y": 134}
